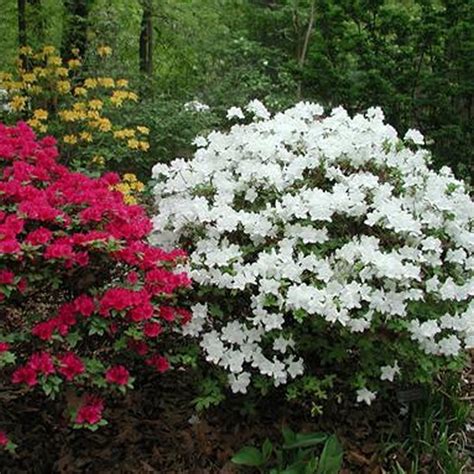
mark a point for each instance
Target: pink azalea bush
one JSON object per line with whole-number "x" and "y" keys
{"x": 83, "y": 297}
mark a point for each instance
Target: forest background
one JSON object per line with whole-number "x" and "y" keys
{"x": 414, "y": 58}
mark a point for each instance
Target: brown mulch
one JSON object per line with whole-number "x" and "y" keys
{"x": 155, "y": 430}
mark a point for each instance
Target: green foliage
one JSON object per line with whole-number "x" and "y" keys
{"x": 413, "y": 58}
{"x": 211, "y": 394}
{"x": 298, "y": 454}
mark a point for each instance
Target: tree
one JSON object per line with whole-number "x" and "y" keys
{"x": 146, "y": 38}
{"x": 22, "y": 38}
{"x": 75, "y": 29}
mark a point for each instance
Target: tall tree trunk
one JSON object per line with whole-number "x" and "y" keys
{"x": 304, "y": 48}
{"x": 146, "y": 38}
{"x": 21, "y": 23}
{"x": 75, "y": 32}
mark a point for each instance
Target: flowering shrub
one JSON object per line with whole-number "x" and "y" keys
{"x": 83, "y": 297}
{"x": 61, "y": 98}
{"x": 324, "y": 244}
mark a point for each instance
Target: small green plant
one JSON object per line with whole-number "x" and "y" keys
{"x": 210, "y": 394}
{"x": 299, "y": 454}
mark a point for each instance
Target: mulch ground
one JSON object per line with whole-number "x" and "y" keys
{"x": 155, "y": 430}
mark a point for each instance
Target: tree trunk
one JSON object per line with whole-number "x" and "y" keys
{"x": 304, "y": 49}
{"x": 146, "y": 38}
{"x": 75, "y": 32}
{"x": 22, "y": 23}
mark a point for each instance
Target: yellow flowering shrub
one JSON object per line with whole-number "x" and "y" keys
{"x": 130, "y": 187}
{"x": 82, "y": 111}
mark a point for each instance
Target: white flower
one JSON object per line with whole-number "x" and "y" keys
{"x": 365, "y": 395}
{"x": 449, "y": 346}
{"x": 281, "y": 344}
{"x": 239, "y": 383}
{"x": 235, "y": 112}
{"x": 388, "y": 372}
{"x": 200, "y": 142}
{"x": 298, "y": 219}
{"x": 196, "y": 106}
{"x": 258, "y": 109}
{"x": 415, "y": 136}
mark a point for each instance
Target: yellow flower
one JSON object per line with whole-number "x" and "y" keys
{"x": 62, "y": 71}
{"x": 26, "y": 50}
{"x": 34, "y": 123}
{"x": 144, "y": 146}
{"x": 63, "y": 87}
{"x": 130, "y": 200}
{"x": 93, "y": 114}
{"x": 118, "y": 97}
{"x": 138, "y": 187}
{"x": 71, "y": 115}
{"x": 40, "y": 114}
{"x": 104, "y": 51}
{"x": 132, "y": 96}
{"x": 39, "y": 71}
{"x": 18, "y": 103}
{"x": 29, "y": 77}
{"x": 54, "y": 61}
{"x": 80, "y": 91}
{"x": 79, "y": 106}
{"x": 122, "y": 83}
{"x": 86, "y": 136}
{"x": 70, "y": 139}
{"x": 90, "y": 83}
{"x": 102, "y": 123}
{"x": 96, "y": 104}
{"x": 129, "y": 177}
{"x": 35, "y": 90}
{"x": 106, "y": 82}
{"x": 74, "y": 63}
{"x": 5, "y": 76}
{"x": 98, "y": 160}
{"x": 47, "y": 50}
{"x": 75, "y": 51}
{"x": 133, "y": 144}
{"x": 125, "y": 133}
{"x": 144, "y": 130}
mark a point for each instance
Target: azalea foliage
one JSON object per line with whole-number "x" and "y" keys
{"x": 322, "y": 245}
{"x": 83, "y": 297}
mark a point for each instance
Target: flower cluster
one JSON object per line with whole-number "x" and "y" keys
{"x": 56, "y": 96}
{"x": 325, "y": 242}
{"x": 83, "y": 297}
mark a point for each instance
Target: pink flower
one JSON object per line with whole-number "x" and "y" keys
{"x": 84, "y": 305}
{"x": 6, "y": 277}
{"x": 25, "y": 375}
{"x": 152, "y": 329}
{"x": 42, "y": 363}
{"x": 91, "y": 411}
{"x": 3, "y": 438}
{"x": 4, "y": 347}
{"x": 39, "y": 236}
{"x": 159, "y": 363}
{"x": 71, "y": 366}
{"x": 118, "y": 375}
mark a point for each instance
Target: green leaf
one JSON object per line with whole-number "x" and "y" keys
{"x": 267, "y": 449}
{"x": 302, "y": 440}
{"x": 288, "y": 435}
{"x": 248, "y": 456}
{"x": 330, "y": 461}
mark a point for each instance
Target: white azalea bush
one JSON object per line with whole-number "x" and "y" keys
{"x": 322, "y": 245}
